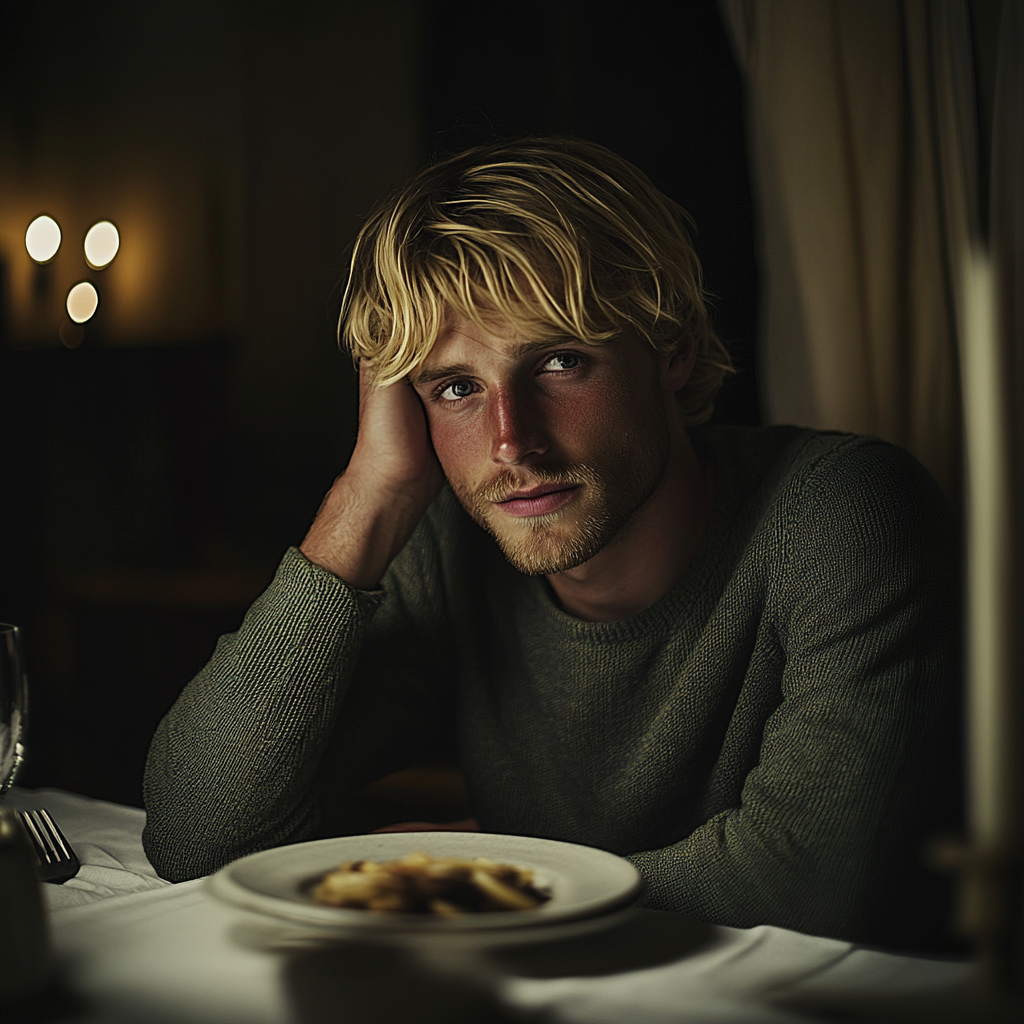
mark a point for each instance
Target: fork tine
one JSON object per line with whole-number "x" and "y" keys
{"x": 42, "y": 851}
{"x": 57, "y": 860}
{"x": 55, "y": 834}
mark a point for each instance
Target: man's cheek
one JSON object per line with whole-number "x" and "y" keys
{"x": 455, "y": 446}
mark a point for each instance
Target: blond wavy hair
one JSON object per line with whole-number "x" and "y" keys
{"x": 547, "y": 236}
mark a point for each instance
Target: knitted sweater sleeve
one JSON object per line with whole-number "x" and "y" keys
{"x": 321, "y": 690}
{"x": 828, "y": 835}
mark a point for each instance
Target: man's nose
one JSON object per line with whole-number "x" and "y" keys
{"x": 517, "y": 431}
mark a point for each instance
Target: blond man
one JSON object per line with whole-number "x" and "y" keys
{"x": 725, "y": 653}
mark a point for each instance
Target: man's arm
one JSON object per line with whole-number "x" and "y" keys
{"x": 374, "y": 506}
{"x": 859, "y": 763}
{"x": 232, "y": 767}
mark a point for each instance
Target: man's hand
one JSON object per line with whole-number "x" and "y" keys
{"x": 374, "y": 506}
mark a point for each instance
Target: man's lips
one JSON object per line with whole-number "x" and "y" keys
{"x": 537, "y": 501}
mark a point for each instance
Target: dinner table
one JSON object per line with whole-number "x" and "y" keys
{"x": 130, "y": 947}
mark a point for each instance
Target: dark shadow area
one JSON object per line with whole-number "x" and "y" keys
{"x": 117, "y": 563}
{"x": 438, "y": 982}
{"x": 387, "y": 985}
{"x": 651, "y": 938}
{"x": 429, "y": 792}
{"x": 963, "y": 1004}
{"x": 55, "y": 1004}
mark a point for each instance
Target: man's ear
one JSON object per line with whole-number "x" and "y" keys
{"x": 677, "y": 364}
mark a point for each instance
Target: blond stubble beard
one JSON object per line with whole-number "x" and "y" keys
{"x": 564, "y": 539}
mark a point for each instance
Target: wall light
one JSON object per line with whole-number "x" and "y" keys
{"x": 101, "y": 244}
{"x": 82, "y": 302}
{"x": 42, "y": 239}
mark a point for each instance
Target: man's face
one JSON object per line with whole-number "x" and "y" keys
{"x": 550, "y": 446}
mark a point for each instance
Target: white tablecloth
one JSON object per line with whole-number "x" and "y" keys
{"x": 108, "y": 840}
{"x": 138, "y": 950}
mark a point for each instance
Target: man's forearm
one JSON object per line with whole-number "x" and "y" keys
{"x": 231, "y": 765}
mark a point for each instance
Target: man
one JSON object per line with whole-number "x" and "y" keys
{"x": 724, "y": 653}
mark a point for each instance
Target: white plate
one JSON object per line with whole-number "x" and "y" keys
{"x": 583, "y": 882}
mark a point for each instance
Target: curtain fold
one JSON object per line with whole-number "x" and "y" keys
{"x": 862, "y": 120}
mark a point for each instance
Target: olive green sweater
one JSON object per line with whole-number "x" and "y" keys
{"x": 768, "y": 743}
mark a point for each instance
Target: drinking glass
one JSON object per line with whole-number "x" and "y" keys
{"x": 13, "y": 698}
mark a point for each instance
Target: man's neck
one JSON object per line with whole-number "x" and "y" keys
{"x": 654, "y": 549}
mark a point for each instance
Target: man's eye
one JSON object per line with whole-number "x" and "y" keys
{"x": 563, "y": 361}
{"x": 460, "y": 389}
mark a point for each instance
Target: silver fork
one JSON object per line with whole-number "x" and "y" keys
{"x": 57, "y": 860}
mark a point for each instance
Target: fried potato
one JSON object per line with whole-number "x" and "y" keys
{"x": 421, "y": 884}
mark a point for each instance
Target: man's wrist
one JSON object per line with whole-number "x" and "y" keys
{"x": 358, "y": 531}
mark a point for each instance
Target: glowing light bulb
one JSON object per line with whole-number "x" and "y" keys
{"x": 42, "y": 239}
{"x": 101, "y": 244}
{"x": 82, "y": 302}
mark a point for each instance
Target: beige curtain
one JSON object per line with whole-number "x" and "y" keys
{"x": 862, "y": 122}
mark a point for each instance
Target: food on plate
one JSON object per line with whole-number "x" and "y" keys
{"x": 421, "y": 884}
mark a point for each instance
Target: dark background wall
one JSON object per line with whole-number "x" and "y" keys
{"x": 154, "y": 473}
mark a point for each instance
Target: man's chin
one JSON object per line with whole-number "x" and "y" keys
{"x": 542, "y": 551}
{"x": 532, "y": 563}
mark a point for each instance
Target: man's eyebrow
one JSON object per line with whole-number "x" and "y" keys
{"x": 517, "y": 351}
{"x": 429, "y": 376}
{"x": 524, "y": 348}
